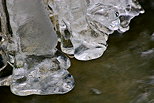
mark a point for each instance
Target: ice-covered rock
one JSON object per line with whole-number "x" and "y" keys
{"x": 86, "y": 24}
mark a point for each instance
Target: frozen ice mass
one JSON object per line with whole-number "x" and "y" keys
{"x": 31, "y": 30}
{"x": 85, "y": 25}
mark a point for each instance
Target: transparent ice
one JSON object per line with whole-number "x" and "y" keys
{"x": 82, "y": 27}
{"x": 85, "y": 25}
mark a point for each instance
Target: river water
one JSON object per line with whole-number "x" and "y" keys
{"x": 124, "y": 74}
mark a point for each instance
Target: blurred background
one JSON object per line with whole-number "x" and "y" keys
{"x": 124, "y": 74}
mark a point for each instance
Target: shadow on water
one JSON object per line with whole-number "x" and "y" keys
{"x": 124, "y": 74}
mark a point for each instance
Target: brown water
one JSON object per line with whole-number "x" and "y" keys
{"x": 124, "y": 74}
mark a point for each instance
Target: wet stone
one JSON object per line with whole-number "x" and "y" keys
{"x": 96, "y": 91}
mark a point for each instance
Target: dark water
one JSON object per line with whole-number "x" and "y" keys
{"x": 125, "y": 73}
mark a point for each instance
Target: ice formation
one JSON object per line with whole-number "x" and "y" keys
{"x": 39, "y": 68}
{"x": 86, "y": 24}
{"x": 83, "y": 28}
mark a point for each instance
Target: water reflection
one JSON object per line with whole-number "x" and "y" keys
{"x": 125, "y": 74}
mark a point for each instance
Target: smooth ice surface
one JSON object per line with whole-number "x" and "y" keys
{"x": 86, "y": 24}
{"x": 31, "y": 27}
